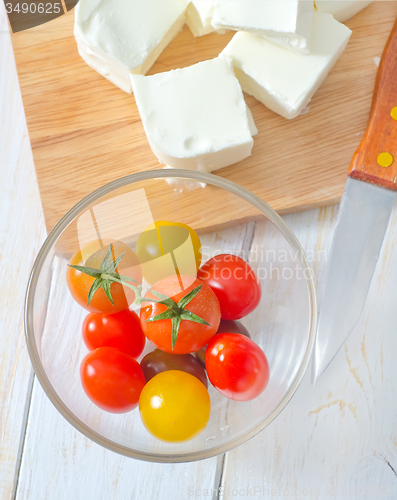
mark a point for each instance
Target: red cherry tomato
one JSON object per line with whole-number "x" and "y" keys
{"x": 112, "y": 379}
{"x": 234, "y": 283}
{"x": 121, "y": 330}
{"x": 236, "y": 366}
{"x": 225, "y": 326}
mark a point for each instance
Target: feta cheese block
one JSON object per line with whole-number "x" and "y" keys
{"x": 286, "y": 22}
{"x": 195, "y": 117}
{"x": 119, "y": 37}
{"x": 199, "y": 17}
{"x": 282, "y": 80}
{"x": 342, "y": 10}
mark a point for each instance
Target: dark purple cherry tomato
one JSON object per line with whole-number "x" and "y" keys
{"x": 159, "y": 361}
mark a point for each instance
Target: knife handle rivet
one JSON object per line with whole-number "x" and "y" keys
{"x": 385, "y": 160}
{"x": 394, "y": 113}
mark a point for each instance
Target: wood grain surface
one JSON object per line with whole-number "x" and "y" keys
{"x": 86, "y": 132}
{"x": 380, "y": 137}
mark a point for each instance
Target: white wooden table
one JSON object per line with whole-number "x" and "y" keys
{"x": 337, "y": 440}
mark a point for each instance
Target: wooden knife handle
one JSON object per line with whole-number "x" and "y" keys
{"x": 375, "y": 160}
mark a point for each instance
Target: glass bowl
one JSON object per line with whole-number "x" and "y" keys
{"x": 228, "y": 219}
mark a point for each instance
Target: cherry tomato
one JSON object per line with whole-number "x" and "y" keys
{"x": 225, "y": 326}
{"x": 159, "y": 361}
{"x": 162, "y": 245}
{"x": 175, "y": 406}
{"x": 112, "y": 379}
{"x": 121, "y": 330}
{"x": 192, "y": 335}
{"x": 228, "y": 326}
{"x": 80, "y": 283}
{"x": 234, "y": 283}
{"x": 236, "y": 366}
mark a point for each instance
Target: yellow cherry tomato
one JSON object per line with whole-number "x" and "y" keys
{"x": 174, "y": 406}
{"x": 168, "y": 248}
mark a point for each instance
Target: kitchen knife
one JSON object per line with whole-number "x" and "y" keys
{"x": 364, "y": 213}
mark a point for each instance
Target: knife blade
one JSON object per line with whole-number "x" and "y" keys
{"x": 364, "y": 213}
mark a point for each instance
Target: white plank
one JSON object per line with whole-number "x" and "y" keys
{"x": 22, "y": 231}
{"x": 338, "y": 439}
{"x": 58, "y": 462}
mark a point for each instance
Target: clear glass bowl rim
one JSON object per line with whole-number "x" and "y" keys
{"x": 198, "y": 176}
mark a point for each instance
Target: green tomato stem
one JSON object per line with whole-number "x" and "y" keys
{"x": 138, "y": 290}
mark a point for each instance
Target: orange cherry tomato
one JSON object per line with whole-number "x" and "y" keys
{"x": 192, "y": 336}
{"x": 80, "y": 283}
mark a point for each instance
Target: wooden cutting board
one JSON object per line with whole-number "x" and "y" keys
{"x": 86, "y": 132}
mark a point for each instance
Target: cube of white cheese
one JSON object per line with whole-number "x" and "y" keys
{"x": 119, "y": 37}
{"x": 199, "y": 16}
{"x": 342, "y": 10}
{"x": 282, "y": 80}
{"x": 286, "y": 22}
{"x": 195, "y": 117}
